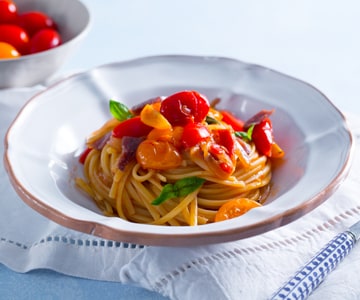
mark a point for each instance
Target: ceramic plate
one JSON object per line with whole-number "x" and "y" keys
{"x": 43, "y": 143}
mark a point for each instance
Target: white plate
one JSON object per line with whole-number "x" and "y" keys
{"x": 43, "y": 143}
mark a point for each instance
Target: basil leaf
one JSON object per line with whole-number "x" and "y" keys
{"x": 180, "y": 188}
{"x": 245, "y": 135}
{"x": 119, "y": 111}
{"x": 211, "y": 120}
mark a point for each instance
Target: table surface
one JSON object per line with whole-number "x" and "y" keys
{"x": 315, "y": 41}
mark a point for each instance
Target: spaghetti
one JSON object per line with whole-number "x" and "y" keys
{"x": 178, "y": 161}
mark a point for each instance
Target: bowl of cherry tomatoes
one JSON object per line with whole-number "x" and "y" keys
{"x": 36, "y": 38}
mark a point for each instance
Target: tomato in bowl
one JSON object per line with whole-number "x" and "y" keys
{"x": 43, "y": 33}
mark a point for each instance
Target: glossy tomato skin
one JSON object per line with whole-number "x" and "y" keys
{"x": 193, "y": 134}
{"x": 133, "y": 127}
{"x": 8, "y": 12}
{"x": 233, "y": 121}
{"x": 8, "y": 51}
{"x": 15, "y": 36}
{"x": 44, "y": 39}
{"x": 262, "y": 136}
{"x": 34, "y": 21}
{"x": 184, "y": 107}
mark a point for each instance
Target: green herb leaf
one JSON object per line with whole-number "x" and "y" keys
{"x": 211, "y": 120}
{"x": 119, "y": 110}
{"x": 180, "y": 188}
{"x": 245, "y": 135}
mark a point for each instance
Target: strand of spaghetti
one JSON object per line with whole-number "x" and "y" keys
{"x": 101, "y": 190}
{"x": 144, "y": 196}
{"x": 84, "y": 186}
{"x": 121, "y": 189}
{"x": 177, "y": 209}
{"x": 207, "y": 213}
{"x": 127, "y": 200}
{"x": 186, "y": 214}
{"x": 104, "y": 129}
{"x": 115, "y": 185}
{"x": 105, "y": 161}
{"x": 217, "y": 192}
{"x": 147, "y": 196}
{"x": 141, "y": 215}
{"x": 193, "y": 212}
{"x": 254, "y": 166}
{"x": 141, "y": 178}
{"x": 260, "y": 175}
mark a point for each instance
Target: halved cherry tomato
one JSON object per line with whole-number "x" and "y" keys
{"x": 44, "y": 39}
{"x": 225, "y": 138}
{"x": 15, "y": 36}
{"x": 131, "y": 127}
{"x": 8, "y": 51}
{"x": 34, "y": 21}
{"x": 158, "y": 155}
{"x": 235, "y": 208}
{"x": 8, "y": 12}
{"x": 193, "y": 134}
{"x": 222, "y": 160}
{"x": 184, "y": 107}
{"x": 262, "y": 136}
{"x": 234, "y": 122}
{"x": 152, "y": 117}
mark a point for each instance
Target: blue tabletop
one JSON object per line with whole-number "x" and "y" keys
{"x": 46, "y": 284}
{"x": 311, "y": 40}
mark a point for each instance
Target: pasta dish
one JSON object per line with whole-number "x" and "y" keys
{"x": 178, "y": 160}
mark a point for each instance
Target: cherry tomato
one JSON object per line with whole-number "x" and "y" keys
{"x": 8, "y": 51}
{"x": 184, "y": 107}
{"x": 8, "y": 12}
{"x": 235, "y": 208}
{"x": 152, "y": 117}
{"x": 158, "y": 155}
{"x": 262, "y": 136}
{"x": 15, "y": 36}
{"x": 34, "y": 21}
{"x": 44, "y": 39}
{"x": 131, "y": 127}
{"x": 226, "y": 138}
{"x": 193, "y": 134}
{"x": 234, "y": 122}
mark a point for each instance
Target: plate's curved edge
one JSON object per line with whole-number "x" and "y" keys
{"x": 107, "y": 232}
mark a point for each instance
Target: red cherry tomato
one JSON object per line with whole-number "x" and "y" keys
{"x": 44, "y": 39}
{"x": 8, "y": 51}
{"x": 184, "y": 107}
{"x": 132, "y": 127}
{"x": 193, "y": 134}
{"x": 34, "y": 21}
{"x": 15, "y": 36}
{"x": 262, "y": 136}
{"x": 8, "y": 12}
{"x": 234, "y": 122}
{"x": 226, "y": 138}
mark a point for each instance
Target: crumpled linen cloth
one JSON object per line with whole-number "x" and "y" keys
{"x": 252, "y": 268}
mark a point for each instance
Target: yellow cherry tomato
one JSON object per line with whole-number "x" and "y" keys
{"x": 8, "y": 51}
{"x": 235, "y": 208}
{"x": 152, "y": 117}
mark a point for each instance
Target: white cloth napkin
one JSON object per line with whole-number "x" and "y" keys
{"x": 252, "y": 268}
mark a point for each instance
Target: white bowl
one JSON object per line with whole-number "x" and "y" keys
{"x": 43, "y": 144}
{"x": 73, "y": 20}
